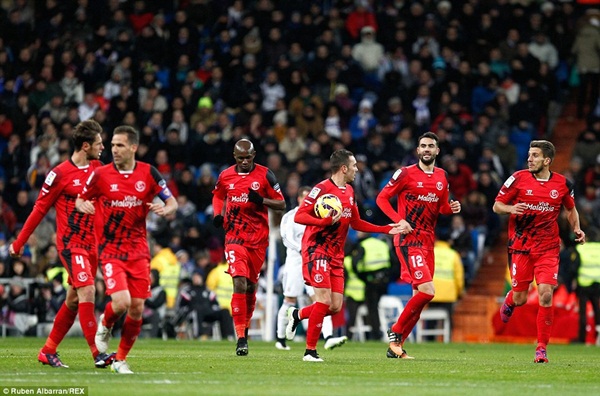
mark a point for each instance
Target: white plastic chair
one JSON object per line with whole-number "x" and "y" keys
{"x": 389, "y": 309}
{"x": 360, "y": 328}
{"x": 435, "y": 315}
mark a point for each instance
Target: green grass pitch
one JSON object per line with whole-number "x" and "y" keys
{"x": 212, "y": 368}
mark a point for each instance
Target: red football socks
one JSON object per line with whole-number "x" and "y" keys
{"x": 306, "y": 311}
{"x": 411, "y": 314}
{"x": 129, "y": 333}
{"x": 87, "y": 319}
{"x": 110, "y": 318}
{"x": 250, "y": 305}
{"x": 238, "y": 312}
{"x": 545, "y": 318}
{"x": 62, "y": 323}
{"x": 509, "y": 299}
{"x": 315, "y": 322}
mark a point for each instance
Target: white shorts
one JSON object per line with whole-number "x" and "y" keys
{"x": 293, "y": 281}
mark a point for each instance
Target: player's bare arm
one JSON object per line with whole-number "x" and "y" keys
{"x": 573, "y": 218}
{"x": 164, "y": 209}
{"x": 275, "y": 204}
{"x": 84, "y": 206}
{"x": 502, "y": 208}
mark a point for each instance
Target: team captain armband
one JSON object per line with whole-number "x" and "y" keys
{"x": 165, "y": 193}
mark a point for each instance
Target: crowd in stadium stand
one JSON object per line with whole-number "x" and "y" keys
{"x": 300, "y": 79}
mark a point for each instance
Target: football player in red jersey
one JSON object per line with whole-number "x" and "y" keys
{"x": 423, "y": 192}
{"x": 533, "y": 199}
{"x": 75, "y": 240}
{"x": 245, "y": 190}
{"x": 125, "y": 189}
{"x": 323, "y": 249}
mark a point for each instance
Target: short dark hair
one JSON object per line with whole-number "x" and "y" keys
{"x": 85, "y": 132}
{"x": 304, "y": 189}
{"x": 547, "y": 148}
{"x": 133, "y": 136}
{"x": 429, "y": 135}
{"x": 338, "y": 158}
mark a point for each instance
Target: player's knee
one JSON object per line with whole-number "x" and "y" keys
{"x": 121, "y": 305}
{"x": 519, "y": 298}
{"x": 86, "y": 293}
{"x": 545, "y": 299}
{"x": 335, "y": 308}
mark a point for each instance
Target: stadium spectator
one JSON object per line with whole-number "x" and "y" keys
{"x": 155, "y": 306}
{"x": 586, "y": 49}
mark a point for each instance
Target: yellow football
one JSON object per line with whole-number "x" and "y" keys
{"x": 326, "y": 204}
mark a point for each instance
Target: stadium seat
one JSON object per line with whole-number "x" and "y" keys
{"x": 437, "y": 316}
{"x": 360, "y": 328}
{"x": 390, "y": 308}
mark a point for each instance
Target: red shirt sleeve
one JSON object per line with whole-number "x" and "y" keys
{"x": 390, "y": 190}
{"x": 362, "y": 225}
{"x": 49, "y": 193}
{"x": 218, "y": 198}
{"x": 305, "y": 216}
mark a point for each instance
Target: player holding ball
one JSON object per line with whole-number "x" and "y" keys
{"x": 323, "y": 248}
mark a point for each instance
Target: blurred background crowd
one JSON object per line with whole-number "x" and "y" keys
{"x": 300, "y": 79}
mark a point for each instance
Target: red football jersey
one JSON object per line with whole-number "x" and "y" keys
{"x": 74, "y": 230}
{"x": 537, "y": 229}
{"x": 422, "y": 196}
{"x": 245, "y": 222}
{"x": 124, "y": 197}
{"x": 321, "y": 238}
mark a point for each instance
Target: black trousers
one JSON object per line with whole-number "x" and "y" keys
{"x": 585, "y": 294}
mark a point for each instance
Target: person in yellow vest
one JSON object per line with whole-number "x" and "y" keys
{"x": 588, "y": 285}
{"x": 354, "y": 292}
{"x": 219, "y": 281}
{"x": 449, "y": 276}
{"x": 371, "y": 263}
{"x": 167, "y": 265}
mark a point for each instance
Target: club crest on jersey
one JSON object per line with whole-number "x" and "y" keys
{"x": 111, "y": 283}
{"x": 351, "y": 201}
{"x": 140, "y": 186}
{"x": 318, "y": 278}
{"x": 255, "y": 186}
{"x": 50, "y": 178}
{"x": 553, "y": 194}
{"x": 439, "y": 186}
{"x": 82, "y": 277}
